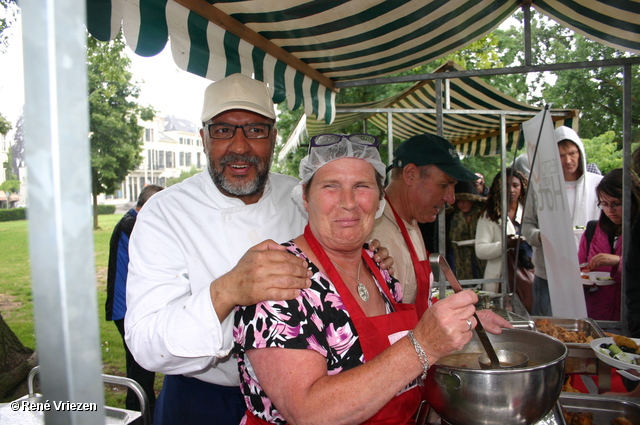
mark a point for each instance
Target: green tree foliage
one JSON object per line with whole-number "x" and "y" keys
{"x": 184, "y": 174}
{"x": 115, "y": 134}
{"x": 597, "y": 92}
{"x": 604, "y": 151}
{"x": 5, "y": 125}
{"x": 8, "y": 12}
{"x": 10, "y": 186}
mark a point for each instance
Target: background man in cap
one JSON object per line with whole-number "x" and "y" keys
{"x": 196, "y": 253}
{"x": 424, "y": 172}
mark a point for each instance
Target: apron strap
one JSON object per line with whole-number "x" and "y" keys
{"x": 421, "y": 269}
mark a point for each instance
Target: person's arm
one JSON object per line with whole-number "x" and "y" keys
{"x": 530, "y": 228}
{"x": 265, "y": 272}
{"x": 602, "y": 260}
{"x": 488, "y": 243}
{"x": 492, "y": 323}
{"x": 297, "y": 382}
{"x": 177, "y": 319}
{"x": 583, "y": 255}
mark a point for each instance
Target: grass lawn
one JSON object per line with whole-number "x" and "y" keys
{"x": 16, "y": 301}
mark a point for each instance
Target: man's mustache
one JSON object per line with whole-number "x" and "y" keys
{"x": 236, "y": 157}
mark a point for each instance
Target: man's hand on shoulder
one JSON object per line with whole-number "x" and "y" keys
{"x": 265, "y": 272}
{"x": 381, "y": 256}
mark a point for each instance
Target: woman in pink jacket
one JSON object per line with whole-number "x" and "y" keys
{"x": 603, "y": 252}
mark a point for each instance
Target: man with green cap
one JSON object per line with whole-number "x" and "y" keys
{"x": 424, "y": 172}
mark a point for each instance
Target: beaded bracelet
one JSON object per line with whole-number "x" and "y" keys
{"x": 422, "y": 356}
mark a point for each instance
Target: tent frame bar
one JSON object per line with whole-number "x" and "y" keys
{"x": 445, "y": 111}
{"x": 489, "y": 72}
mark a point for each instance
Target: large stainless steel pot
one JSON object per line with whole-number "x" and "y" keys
{"x": 464, "y": 396}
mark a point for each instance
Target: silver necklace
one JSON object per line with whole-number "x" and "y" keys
{"x": 362, "y": 290}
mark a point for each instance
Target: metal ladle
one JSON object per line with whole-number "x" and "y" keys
{"x": 439, "y": 261}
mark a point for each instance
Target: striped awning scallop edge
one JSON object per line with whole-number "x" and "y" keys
{"x": 301, "y": 48}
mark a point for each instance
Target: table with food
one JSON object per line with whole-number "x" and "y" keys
{"x": 573, "y": 375}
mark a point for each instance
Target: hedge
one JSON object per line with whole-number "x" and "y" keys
{"x": 13, "y": 214}
{"x": 106, "y": 209}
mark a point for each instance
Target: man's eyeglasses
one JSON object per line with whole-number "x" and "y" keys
{"x": 612, "y": 206}
{"x": 227, "y": 131}
{"x": 331, "y": 139}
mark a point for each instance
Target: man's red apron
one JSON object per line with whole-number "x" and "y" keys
{"x": 422, "y": 268}
{"x": 373, "y": 334}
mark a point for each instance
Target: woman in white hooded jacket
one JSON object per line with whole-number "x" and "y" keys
{"x": 489, "y": 231}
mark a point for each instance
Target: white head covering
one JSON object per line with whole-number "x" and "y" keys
{"x": 322, "y": 155}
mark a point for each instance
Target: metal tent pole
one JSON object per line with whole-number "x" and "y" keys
{"x": 504, "y": 199}
{"x": 626, "y": 184}
{"x": 526, "y": 9}
{"x": 60, "y": 214}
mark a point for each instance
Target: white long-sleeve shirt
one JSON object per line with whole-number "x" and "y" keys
{"x": 185, "y": 237}
{"x": 488, "y": 244}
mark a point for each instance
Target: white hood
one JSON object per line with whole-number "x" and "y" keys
{"x": 586, "y": 207}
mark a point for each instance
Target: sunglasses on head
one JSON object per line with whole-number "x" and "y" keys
{"x": 331, "y": 139}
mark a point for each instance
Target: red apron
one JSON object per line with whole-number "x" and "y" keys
{"x": 422, "y": 269}
{"x": 373, "y": 334}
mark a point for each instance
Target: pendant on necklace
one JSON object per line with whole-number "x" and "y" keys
{"x": 363, "y": 292}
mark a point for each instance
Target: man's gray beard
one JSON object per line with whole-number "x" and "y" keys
{"x": 239, "y": 188}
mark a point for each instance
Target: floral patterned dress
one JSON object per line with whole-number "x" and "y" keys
{"x": 315, "y": 320}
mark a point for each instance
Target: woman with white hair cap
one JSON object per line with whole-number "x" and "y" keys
{"x": 346, "y": 350}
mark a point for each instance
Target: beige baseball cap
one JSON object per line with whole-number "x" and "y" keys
{"x": 237, "y": 91}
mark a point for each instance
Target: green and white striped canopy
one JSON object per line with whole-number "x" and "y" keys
{"x": 474, "y": 127}
{"x": 301, "y": 48}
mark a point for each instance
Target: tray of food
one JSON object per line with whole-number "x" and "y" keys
{"x": 574, "y": 332}
{"x": 597, "y": 409}
{"x": 577, "y": 334}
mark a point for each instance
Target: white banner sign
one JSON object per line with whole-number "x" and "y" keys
{"x": 547, "y": 186}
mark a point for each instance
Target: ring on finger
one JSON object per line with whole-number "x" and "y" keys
{"x": 470, "y": 325}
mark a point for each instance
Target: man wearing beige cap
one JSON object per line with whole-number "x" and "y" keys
{"x": 206, "y": 245}
{"x": 196, "y": 252}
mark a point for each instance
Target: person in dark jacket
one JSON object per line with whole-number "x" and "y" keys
{"x": 116, "y": 305}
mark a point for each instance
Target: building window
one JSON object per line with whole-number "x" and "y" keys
{"x": 148, "y": 134}
{"x": 181, "y": 159}
{"x": 188, "y": 159}
{"x": 160, "y": 160}
{"x": 198, "y": 160}
{"x": 169, "y": 159}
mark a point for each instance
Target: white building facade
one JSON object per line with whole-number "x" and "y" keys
{"x": 171, "y": 145}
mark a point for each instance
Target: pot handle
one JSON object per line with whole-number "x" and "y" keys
{"x": 447, "y": 378}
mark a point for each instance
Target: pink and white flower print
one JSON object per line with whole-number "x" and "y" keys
{"x": 315, "y": 320}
